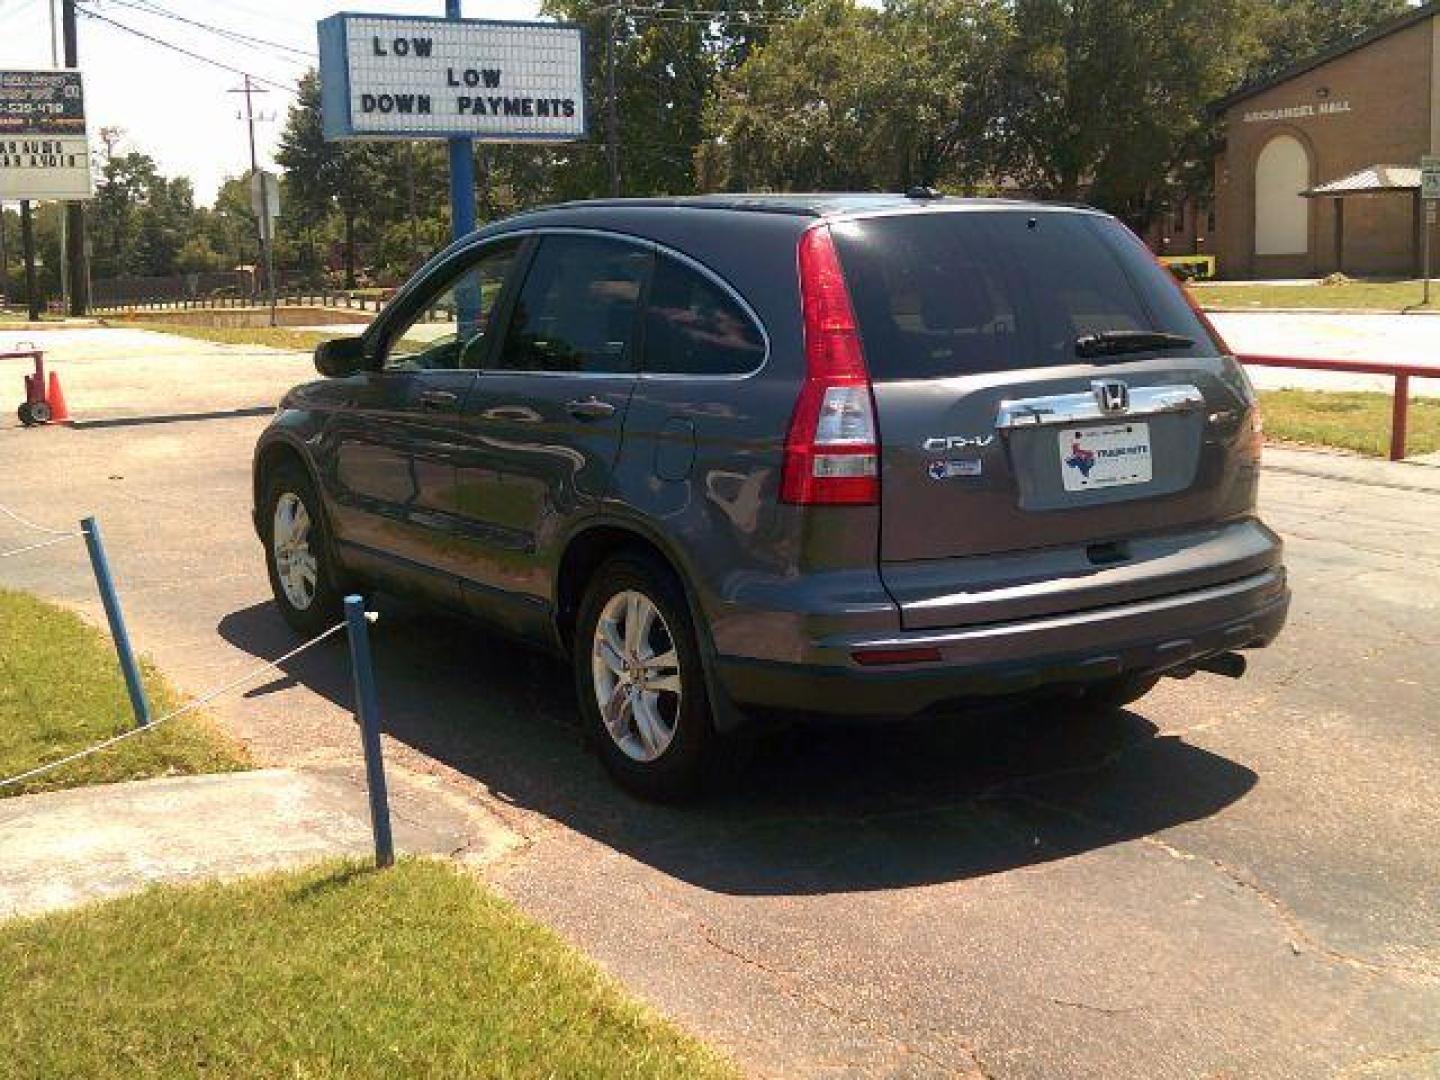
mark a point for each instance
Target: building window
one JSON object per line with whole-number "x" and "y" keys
{"x": 1282, "y": 213}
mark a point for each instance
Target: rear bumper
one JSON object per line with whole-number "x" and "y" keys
{"x": 1008, "y": 658}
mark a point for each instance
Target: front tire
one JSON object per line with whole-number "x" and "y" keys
{"x": 641, "y": 680}
{"x": 297, "y": 552}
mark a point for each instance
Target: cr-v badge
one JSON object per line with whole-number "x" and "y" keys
{"x": 957, "y": 442}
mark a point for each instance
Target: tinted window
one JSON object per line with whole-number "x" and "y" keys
{"x": 577, "y": 308}
{"x": 954, "y": 293}
{"x": 693, "y": 327}
{"x": 448, "y": 331}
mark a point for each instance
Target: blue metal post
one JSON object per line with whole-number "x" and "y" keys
{"x": 462, "y": 169}
{"x": 108, "y": 597}
{"x": 367, "y": 710}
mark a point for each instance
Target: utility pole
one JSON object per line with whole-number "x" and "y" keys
{"x": 27, "y": 241}
{"x": 263, "y": 217}
{"x": 612, "y": 120}
{"x": 77, "y": 258}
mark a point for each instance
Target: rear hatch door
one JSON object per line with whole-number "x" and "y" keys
{"x": 1046, "y": 397}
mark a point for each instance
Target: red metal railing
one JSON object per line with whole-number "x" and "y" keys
{"x": 1402, "y": 374}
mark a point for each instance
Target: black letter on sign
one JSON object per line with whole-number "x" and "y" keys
{"x": 491, "y": 77}
{"x": 401, "y": 47}
{"x": 569, "y": 105}
{"x": 462, "y": 105}
{"x": 367, "y": 103}
{"x": 450, "y": 77}
{"x": 379, "y": 49}
{"x": 422, "y": 46}
{"x": 424, "y": 103}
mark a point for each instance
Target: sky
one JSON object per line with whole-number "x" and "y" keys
{"x": 176, "y": 108}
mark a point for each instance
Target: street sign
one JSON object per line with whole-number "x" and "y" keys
{"x": 44, "y": 151}
{"x": 1430, "y": 177}
{"x": 392, "y": 77}
{"x": 265, "y": 194}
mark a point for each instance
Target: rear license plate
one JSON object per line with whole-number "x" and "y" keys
{"x": 1104, "y": 457}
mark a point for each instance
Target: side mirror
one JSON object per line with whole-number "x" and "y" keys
{"x": 340, "y": 357}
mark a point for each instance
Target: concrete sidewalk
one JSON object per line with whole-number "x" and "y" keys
{"x": 1420, "y": 473}
{"x": 67, "y": 847}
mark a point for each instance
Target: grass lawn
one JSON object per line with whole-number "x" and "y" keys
{"x": 1351, "y": 421}
{"x": 331, "y": 972}
{"x": 1376, "y": 295}
{"x": 61, "y": 690}
{"x": 277, "y": 337}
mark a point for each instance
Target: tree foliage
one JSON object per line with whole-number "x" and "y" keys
{"x": 1103, "y": 100}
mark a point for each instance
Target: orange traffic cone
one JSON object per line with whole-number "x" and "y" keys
{"x": 55, "y": 398}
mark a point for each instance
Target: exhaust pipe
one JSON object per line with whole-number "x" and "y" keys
{"x": 1229, "y": 664}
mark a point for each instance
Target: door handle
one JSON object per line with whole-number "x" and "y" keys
{"x": 437, "y": 400}
{"x": 590, "y": 409}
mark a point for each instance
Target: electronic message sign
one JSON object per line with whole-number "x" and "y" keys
{"x": 44, "y": 151}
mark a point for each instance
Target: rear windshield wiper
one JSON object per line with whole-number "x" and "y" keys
{"x": 1115, "y": 342}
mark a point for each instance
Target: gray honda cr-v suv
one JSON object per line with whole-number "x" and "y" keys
{"x": 860, "y": 455}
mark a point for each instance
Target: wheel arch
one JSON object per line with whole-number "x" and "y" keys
{"x": 584, "y": 552}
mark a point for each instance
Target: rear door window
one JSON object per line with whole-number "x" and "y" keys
{"x": 958, "y": 293}
{"x": 578, "y": 308}
{"x": 694, "y": 327}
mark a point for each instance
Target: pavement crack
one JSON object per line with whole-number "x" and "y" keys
{"x": 1300, "y": 938}
{"x": 1101, "y": 1009}
{"x": 796, "y": 989}
{"x": 1403, "y": 1057}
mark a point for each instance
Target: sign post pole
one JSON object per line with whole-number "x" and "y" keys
{"x": 462, "y": 168}
{"x": 1430, "y": 193}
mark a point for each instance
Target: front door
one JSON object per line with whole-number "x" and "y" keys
{"x": 393, "y": 451}
{"x": 543, "y": 423}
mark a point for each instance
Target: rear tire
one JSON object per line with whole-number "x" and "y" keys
{"x": 297, "y": 552}
{"x": 635, "y": 649}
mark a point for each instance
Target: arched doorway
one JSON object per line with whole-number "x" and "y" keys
{"x": 1282, "y": 213}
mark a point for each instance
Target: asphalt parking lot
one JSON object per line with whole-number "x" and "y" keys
{"x": 1230, "y": 879}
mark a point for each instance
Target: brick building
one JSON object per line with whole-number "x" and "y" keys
{"x": 1320, "y": 166}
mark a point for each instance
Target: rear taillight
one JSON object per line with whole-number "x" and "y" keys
{"x": 831, "y": 449}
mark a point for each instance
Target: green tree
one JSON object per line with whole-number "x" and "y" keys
{"x": 851, "y": 97}
{"x": 1291, "y": 31}
{"x": 1107, "y": 99}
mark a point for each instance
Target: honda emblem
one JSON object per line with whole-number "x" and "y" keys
{"x": 1112, "y": 394}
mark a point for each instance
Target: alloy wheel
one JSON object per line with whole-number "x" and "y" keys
{"x": 636, "y": 675}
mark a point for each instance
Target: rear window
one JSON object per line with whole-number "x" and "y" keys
{"x": 941, "y": 294}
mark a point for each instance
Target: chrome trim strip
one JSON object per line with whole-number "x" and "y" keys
{"x": 1061, "y": 409}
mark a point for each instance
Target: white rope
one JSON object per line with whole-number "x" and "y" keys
{"x": 31, "y": 525}
{"x": 42, "y": 544}
{"x": 189, "y": 706}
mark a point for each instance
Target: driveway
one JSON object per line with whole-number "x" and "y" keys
{"x": 1410, "y": 339}
{"x": 1230, "y": 879}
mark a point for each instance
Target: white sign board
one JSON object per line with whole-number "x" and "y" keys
{"x": 414, "y": 78}
{"x": 1430, "y": 177}
{"x": 44, "y": 150}
{"x": 265, "y": 194}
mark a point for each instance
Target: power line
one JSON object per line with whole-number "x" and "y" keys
{"x": 91, "y": 14}
{"x": 249, "y": 40}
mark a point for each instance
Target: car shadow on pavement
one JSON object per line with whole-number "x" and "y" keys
{"x": 819, "y": 809}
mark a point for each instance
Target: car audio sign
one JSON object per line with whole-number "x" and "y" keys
{"x": 415, "y": 78}
{"x": 44, "y": 152}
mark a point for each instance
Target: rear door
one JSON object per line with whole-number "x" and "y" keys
{"x": 542, "y": 426}
{"x": 999, "y": 436}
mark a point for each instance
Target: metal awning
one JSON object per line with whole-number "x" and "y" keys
{"x": 1371, "y": 180}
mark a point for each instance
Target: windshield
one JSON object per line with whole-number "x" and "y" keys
{"x": 956, "y": 293}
